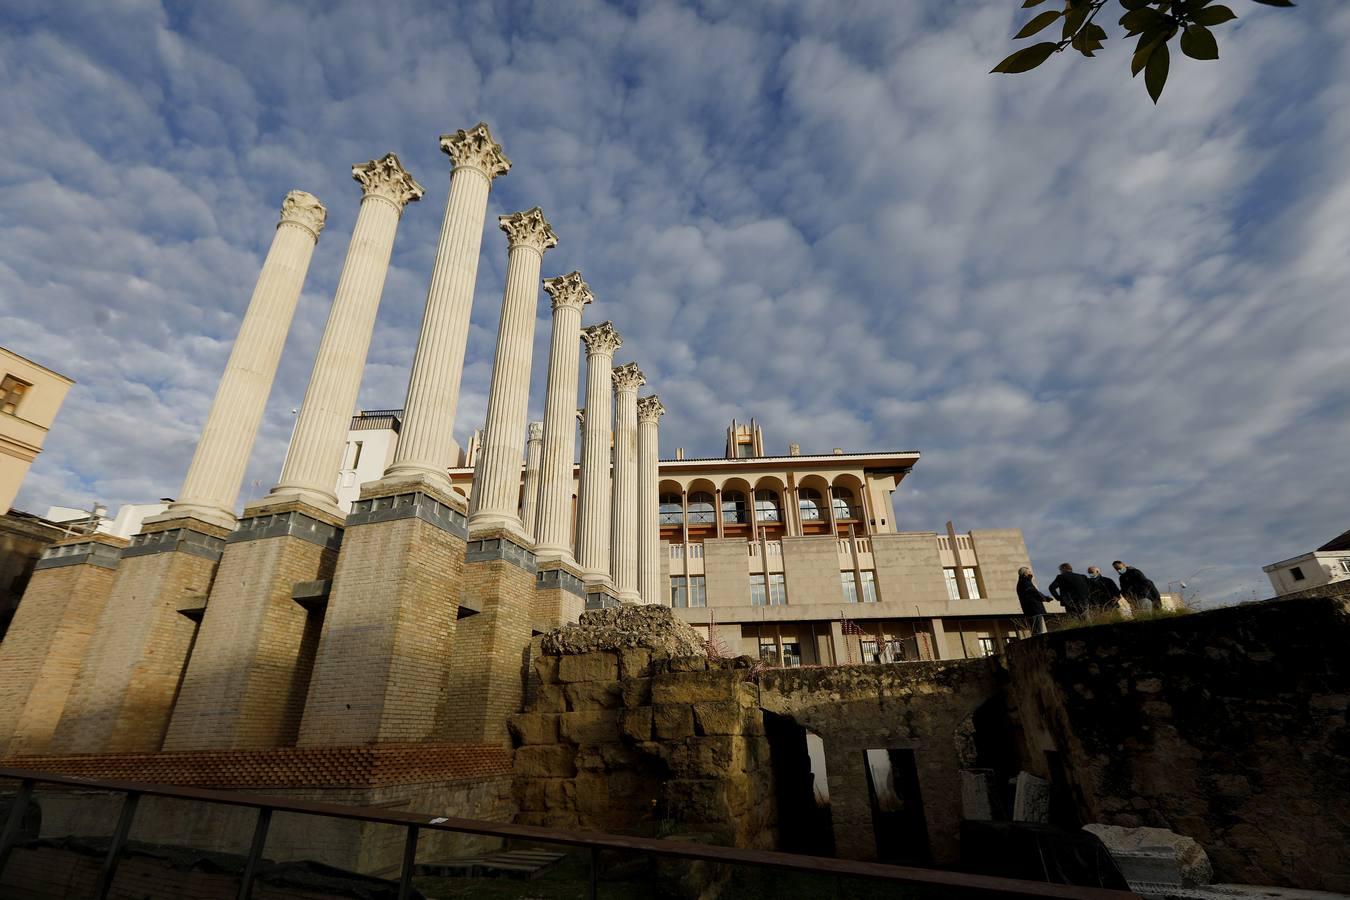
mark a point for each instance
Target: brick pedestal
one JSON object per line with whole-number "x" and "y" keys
{"x": 41, "y": 652}
{"x": 491, "y": 650}
{"x": 559, "y": 595}
{"x": 121, "y": 699}
{"x": 384, "y": 652}
{"x": 245, "y": 686}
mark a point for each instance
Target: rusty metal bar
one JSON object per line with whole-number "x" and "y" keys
{"x": 409, "y": 860}
{"x": 119, "y": 839}
{"x": 255, "y": 852}
{"x": 939, "y": 878}
{"x": 10, "y": 836}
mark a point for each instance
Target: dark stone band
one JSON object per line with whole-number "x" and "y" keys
{"x": 91, "y": 552}
{"x": 503, "y": 549}
{"x": 287, "y": 524}
{"x": 176, "y": 540}
{"x": 561, "y": 579}
{"x": 415, "y": 505}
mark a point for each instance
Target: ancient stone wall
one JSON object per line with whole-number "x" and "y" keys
{"x": 1227, "y": 726}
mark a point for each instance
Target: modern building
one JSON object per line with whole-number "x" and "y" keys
{"x": 30, "y": 396}
{"x": 125, "y": 524}
{"x": 797, "y": 558}
{"x": 1328, "y": 564}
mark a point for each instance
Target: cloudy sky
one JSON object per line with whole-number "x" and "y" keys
{"x": 1121, "y": 328}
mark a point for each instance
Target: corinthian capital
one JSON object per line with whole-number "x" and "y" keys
{"x": 528, "y": 229}
{"x": 602, "y": 338}
{"x": 536, "y": 431}
{"x": 569, "y": 290}
{"x": 650, "y": 409}
{"x": 628, "y": 377}
{"x": 387, "y": 179}
{"x": 303, "y": 209}
{"x": 476, "y": 149}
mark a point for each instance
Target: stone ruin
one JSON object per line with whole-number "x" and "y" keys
{"x": 652, "y": 627}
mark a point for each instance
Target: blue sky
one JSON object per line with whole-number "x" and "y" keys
{"x": 1120, "y": 328}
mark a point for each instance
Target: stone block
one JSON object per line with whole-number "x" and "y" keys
{"x": 689, "y": 664}
{"x": 545, "y": 761}
{"x": 1031, "y": 798}
{"x": 1151, "y": 857}
{"x": 636, "y": 723}
{"x": 636, "y": 692}
{"x": 588, "y": 727}
{"x": 592, "y": 796}
{"x": 978, "y": 793}
{"x": 695, "y": 687}
{"x": 720, "y": 717}
{"x": 550, "y": 698}
{"x": 584, "y": 695}
{"x": 714, "y": 757}
{"x": 672, "y": 722}
{"x": 600, "y": 665}
{"x": 546, "y": 667}
{"x": 635, "y": 662}
{"x": 534, "y": 728}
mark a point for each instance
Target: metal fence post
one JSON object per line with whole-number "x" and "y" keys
{"x": 409, "y": 859}
{"x": 10, "y": 836}
{"x": 255, "y": 853}
{"x": 119, "y": 839}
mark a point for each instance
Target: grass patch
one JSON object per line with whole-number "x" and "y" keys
{"x": 1113, "y": 617}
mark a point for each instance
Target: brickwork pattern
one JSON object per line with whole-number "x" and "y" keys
{"x": 246, "y": 684}
{"x": 555, "y": 607}
{"x": 487, "y": 666}
{"x": 127, "y": 683}
{"x": 380, "y": 674}
{"x": 41, "y": 654}
{"x": 619, "y": 742}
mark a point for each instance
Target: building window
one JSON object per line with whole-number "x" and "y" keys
{"x": 11, "y": 392}
{"x": 356, "y": 454}
{"x": 972, "y": 584}
{"x": 953, "y": 592}
{"x": 701, "y": 509}
{"x": 869, "y": 584}
{"x": 1297, "y": 573}
{"x": 792, "y": 653}
{"x": 987, "y": 646}
{"x": 844, "y": 505}
{"x": 672, "y": 510}
{"x": 767, "y": 508}
{"x": 744, "y": 449}
{"x": 768, "y": 651}
{"x": 810, "y": 504}
{"x": 734, "y": 510}
{"x": 1345, "y": 566}
{"x": 850, "y": 587}
{"x": 691, "y": 591}
{"x": 774, "y": 594}
{"x": 874, "y": 651}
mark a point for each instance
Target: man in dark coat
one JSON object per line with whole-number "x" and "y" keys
{"x": 1137, "y": 588}
{"x": 1070, "y": 589}
{"x": 1102, "y": 591}
{"x": 1032, "y": 600}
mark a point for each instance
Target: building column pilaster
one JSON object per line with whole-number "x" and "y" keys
{"x": 624, "y": 540}
{"x": 594, "y": 518}
{"x": 649, "y": 412}
{"x": 529, "y": 492}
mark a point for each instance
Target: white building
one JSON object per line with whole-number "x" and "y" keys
{"x": 1327, "y": 564}
{"x": 126, "y": 523}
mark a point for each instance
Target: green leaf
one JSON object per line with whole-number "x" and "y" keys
{"x": 1030, "y": 3}
{"x": 1139, "y": 20}
{"x": 1073, "y": 20}
{"x": 1038, "y": 23}
{"x": 1026, "y": 59}
{"x": 1198, "y": 42}
{"x": 1144, "y": 51}
{"x": 1213, "y": 15}
{"x": 1095, "y": 32}
{"x": 1155, "y": 73}
{"x": 1135, "y": 4}
{"x": 1275, "y": 2}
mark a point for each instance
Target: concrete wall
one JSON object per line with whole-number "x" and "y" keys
{"x": 908, "y": 568}
{"x": 727, "y": 567}
{"x": 1001, "y": 552}
{"x": 811, "y": 570}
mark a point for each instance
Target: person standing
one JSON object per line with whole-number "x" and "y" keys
{"x": 1137, "y": 587}
{"x": 1102, "y": 591}
{"x": 1071, "y": 589}
{"x": 1032, "y": 600}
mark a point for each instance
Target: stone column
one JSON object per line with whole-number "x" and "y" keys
{"x": 311, "y": 469}
{"x": 593, "y": 517}
{"x": 496, "y": 488}
{"x": 426, "y": 443}
{"x": 623, "y": 554}
{"x": 212, "y": 484}
{"x": 553, "y": 531}
{"x": 649, "y": 413}
{"x": 529, "y": 493}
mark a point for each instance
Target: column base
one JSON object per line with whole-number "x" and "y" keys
{"x": 546, "y": 553}
{"x": 486, "y": 521}
{"x": 283, "y": 499}
{"x": 630, "y": 597}
{"x": 210, "y": 513}
{"x": 245, "y": 685}
{"x": 125, "y": 690}
{"x": 42, "y": 650}
{"x": 380, "y": 673}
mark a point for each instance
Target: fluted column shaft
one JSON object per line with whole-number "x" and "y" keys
{"x": 553, "y": 528}
{"x": 648, "y": 500}
{"x": 426, "y": 444}
{"x": 594, "y": 517}
{"x": 213, "y": 479}
{"x": 530, "y": 490}
{"x": 624, "y": 539}
{"x": 311, "y": 468}
{"x": 496, "y": 487}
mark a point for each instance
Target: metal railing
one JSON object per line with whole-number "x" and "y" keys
{"x": 594, "y": 842}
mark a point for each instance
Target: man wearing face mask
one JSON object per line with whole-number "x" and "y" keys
{"x": 1102, "y": 591}
{"x": 1137, "y": 588}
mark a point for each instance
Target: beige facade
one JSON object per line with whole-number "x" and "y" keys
{"x": 30, "y": 396}
{"x": 1328, "y": 564}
